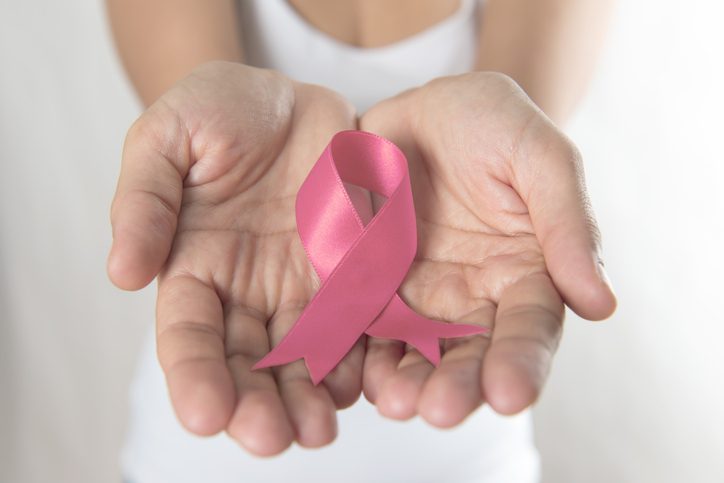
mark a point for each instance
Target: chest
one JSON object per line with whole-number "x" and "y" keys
{"x": 373, "y": 23}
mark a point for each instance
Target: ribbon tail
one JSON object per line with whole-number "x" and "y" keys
{"x": 400, "y": 322}
{"x": 320, "y": 361}
{"x": 277, "y": 357}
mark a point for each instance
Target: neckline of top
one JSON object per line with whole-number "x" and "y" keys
{"x": 463, "y": 12}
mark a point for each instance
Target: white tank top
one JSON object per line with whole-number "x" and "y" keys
{"x": 485, "y": 448}
{"x": 277, "y": 37}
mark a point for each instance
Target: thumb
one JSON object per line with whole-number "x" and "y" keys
{"x": 552, "y": 182}
{"x": 145, "y": 208}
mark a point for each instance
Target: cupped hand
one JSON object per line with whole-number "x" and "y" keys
{"x": 505, "y": 236}
{"x": 205, "y": 200}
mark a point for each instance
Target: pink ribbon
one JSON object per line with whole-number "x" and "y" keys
{"x": 361, "y": 257}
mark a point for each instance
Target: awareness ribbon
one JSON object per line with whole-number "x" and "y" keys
{"x": 361, "y": 257}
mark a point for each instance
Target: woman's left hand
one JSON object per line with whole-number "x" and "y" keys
{"x": 506, "y": 236}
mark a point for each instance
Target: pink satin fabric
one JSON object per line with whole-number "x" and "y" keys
{"x": 361, "y": 257}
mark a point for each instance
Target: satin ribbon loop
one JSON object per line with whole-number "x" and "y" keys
{"x": 360, "y": 256}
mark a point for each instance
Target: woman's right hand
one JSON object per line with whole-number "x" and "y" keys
{"x": 205, "y": 200}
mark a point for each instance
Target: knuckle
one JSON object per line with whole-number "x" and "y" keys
{"x": 499, "y": 79}
{"x": 563, "y": 154}
{"x": 324, "y": 108}
{"x": 159, "y": 129}
{"x": 571, "y": 156}
{"x": 148, "y": 129}
{"x": 138, "y": 129}
{"x": 495, "y": 83}
{"x": 560, "y": 147}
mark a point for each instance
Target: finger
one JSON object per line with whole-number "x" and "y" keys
{"x": 528, "y": 327}
{"x": 564, "y": 223}
{"x": 399, "y": 395}
{"x": 453, "y": 390}
{"x": 260, "y": 422}
{"x": 311, "y": 409}
{"x": 344, "y": 383}
{"x": 190, "y": 346}
{"x": 382, "y": 356}
{"x": 148, "y": 198}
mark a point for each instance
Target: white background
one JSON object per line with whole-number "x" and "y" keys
{"x": 638, "y": 398}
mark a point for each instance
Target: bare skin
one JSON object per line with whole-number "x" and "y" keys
{"x": 373, "y": 23}
{"x": 505, "y": 235}
{"x": 205, "y": 201}
{"x": 549, "y": 47}
{"x": 206, "y": 198}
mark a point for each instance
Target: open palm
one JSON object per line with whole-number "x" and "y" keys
{"x": 206, "y": 197}
{"x": 500, "y": 203}
{"x": 205, "y": 201}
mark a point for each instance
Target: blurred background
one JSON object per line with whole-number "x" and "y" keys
{"x": 638, "y": 398}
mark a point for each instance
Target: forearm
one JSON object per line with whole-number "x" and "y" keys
{"x": 160, "y": 41}
{"x": 548, "y": 46}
